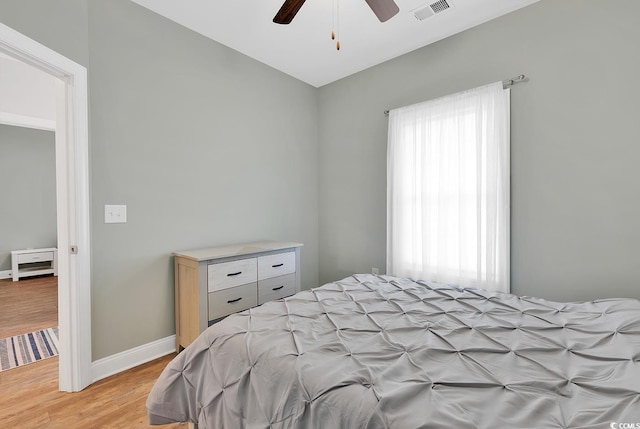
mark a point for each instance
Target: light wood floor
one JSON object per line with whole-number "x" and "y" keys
{"x": 29, "y": 396}
{"x": 28, "y": 305}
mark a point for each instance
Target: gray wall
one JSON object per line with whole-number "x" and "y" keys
{"x": 28, "y": 180}
{"x": 60, "y": 25}
{"x": 200, "y": 143}
{"x": 574, "y": 142}
{"x": 195, "y": 138}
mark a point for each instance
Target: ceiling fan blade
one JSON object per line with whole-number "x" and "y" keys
{"x": 288, "y": 11}
{"x": 384, "y": 9}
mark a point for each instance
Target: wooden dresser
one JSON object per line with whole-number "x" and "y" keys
{"x": 213, "y": 283}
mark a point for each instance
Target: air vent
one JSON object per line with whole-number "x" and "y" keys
{"x": 439, "y": 6}
{"x": 427, "y": 11}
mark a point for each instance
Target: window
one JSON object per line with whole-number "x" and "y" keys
{"x": 448, "y": 189}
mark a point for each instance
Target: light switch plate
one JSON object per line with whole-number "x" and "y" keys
{"x": 115, "y": 214}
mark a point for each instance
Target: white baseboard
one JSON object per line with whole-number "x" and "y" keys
{"x": 6, "y": 274}
{"x": 114, "y": 364}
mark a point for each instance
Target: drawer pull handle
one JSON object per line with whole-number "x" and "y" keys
{"x": 277, "y": 265}
{"x": 231, "y": 301}
{"x": 234, "y": 274}
{"x": 278, "y": 288}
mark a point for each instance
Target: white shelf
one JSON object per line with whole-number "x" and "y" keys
{"x": 34, "y": 262}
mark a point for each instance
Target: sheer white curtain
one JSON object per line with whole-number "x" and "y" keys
{"x": 448, "y": 189}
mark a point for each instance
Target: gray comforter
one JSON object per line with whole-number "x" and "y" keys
{"x": 382, "y": 352}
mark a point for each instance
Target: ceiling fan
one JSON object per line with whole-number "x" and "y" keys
{"x": 384, "y": 9}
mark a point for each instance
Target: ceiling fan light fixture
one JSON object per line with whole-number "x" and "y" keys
{"x": 383, "y": 9}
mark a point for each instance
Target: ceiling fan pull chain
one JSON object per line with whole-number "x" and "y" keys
{"x": 333, "y": 19}
{"x": 337, "y": 26}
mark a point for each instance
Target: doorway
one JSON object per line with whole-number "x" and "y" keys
{"x": 72, "y": 203}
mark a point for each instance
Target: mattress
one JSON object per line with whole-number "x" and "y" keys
{"x": 384, "y": 352}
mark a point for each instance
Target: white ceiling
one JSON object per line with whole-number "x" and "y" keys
{"x": 304, "y": 49}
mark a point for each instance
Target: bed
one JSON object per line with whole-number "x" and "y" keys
{"x": 383, "y": 352}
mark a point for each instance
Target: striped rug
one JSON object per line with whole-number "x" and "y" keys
{"x": 28, "y": 348}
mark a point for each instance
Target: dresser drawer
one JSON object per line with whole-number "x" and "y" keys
{"x": 230, "y": 274}
{"x": 276, "y": 265}
{"x": 276, "y": 288}
{"x": 232, "y": 300}
{"x": 35, "y": 257}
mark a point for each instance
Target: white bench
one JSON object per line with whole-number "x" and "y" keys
{"x": 34, "y": 262}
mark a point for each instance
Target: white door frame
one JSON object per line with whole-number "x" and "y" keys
{"x": 72, "y": 194}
